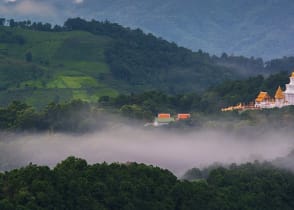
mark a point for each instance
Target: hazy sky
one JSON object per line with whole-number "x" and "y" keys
{"x": 57, "y": 11}
{"x": 52, "y": 11}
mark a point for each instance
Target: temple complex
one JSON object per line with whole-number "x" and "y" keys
{"x": 265, "y": 101}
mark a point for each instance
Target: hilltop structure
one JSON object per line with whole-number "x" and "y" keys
{"x": 289, "y": 93}
{"x": 166, "y": 119}
{"x": 265, "y": 101}
{"x": 163, "y": 119}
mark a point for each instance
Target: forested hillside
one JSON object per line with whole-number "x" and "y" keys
{"x": 74, "y": 184}
{"x": 40, "y": 63}
{"x": 84, "y": 60}
{"x": 255, "y": 66}
{"x": 212, "y": 100}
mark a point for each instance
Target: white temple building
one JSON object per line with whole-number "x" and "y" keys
{"x": 289, "y": 92}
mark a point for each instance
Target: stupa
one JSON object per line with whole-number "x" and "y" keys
{"x": 289, "y": 92}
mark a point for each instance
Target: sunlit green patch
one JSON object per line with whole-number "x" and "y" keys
{"x": 74, "y": 68}
{"x": 73, "y": 82}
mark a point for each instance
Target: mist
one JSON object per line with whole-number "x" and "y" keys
{"x": 175, "y": 151}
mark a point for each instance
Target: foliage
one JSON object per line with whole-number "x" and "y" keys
{"x": 255, "y": 66}
{"x": 251, "y": 186}
{"x": 75, "y": 116}
{"x": 74, "y": 184}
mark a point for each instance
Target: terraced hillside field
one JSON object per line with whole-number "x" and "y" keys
{"x": 63, "y": 66}
{"x": 39, "y": 67}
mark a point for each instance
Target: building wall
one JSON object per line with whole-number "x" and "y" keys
{"x": 289, "y": 92}
{"x": 290, "y": 98}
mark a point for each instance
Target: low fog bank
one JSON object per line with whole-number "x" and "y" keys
{"x": 176, "y": 151}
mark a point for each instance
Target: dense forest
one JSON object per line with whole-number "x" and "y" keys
{"x": 254, "y": 66}
{"x": 74, "y": 116}
{"x": 74, "y": 184}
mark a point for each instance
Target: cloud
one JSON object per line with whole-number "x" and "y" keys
{"x": 38, "y": 8}
{"x": 28, "y": 9}
{"x": 78, "y": 1}
{"x": 174, "y": 151}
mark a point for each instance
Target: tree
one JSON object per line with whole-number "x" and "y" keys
{"x": 12, "y": 23}
{"x": 2, "y": 21}
{"x": 29, "y": 57}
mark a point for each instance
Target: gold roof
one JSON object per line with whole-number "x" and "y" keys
{"x": 292, "y": 75}
{"x": 279, "y": 93}
{"x": 262, "y": 96}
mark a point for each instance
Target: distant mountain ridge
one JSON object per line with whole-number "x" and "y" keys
{"x": 261, "y": 28}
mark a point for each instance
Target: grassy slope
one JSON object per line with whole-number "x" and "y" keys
{"x": 65, "y": 65}
{"x": 77, "y": 65}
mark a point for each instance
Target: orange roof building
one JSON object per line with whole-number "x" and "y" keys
{"x": 163, "y": 119}
{"x": 163, "y": 115}
{"x": 183, "y": 116}
{"x": 262, "y": 97}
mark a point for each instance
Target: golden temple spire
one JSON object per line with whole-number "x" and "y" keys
{"x": 279, "y": 93}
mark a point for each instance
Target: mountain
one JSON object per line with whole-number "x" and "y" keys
{"x": 262, "y": 28}
{"x": 89, "y": 59}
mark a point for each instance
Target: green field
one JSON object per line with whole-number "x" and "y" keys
{"x": 88, "y": 60}
{"x": 64, "y": 66}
